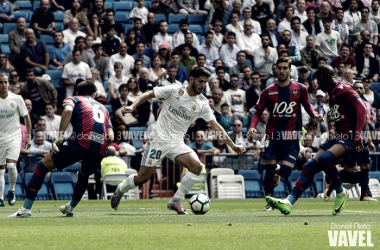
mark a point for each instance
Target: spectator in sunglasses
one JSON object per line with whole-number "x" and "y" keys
{"x": 5, "y": 65}
{"x": 14, "y": 84}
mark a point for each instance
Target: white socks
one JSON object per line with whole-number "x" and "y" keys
{"x": 12, "y": 175}
{"x": 187, "y": 183}
{"x": 2, "y": 183}
{"x": 343, "y": 193}
{"x": 128, "y": 184}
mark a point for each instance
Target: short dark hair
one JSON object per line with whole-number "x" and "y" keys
{"x": 209, "y": 33}
{"x": 39, "y": 130}
{"x": 174, "y": 53}
{"x": 162, "y": 21}
{"x": 264, "y": 34}
{"x": 234, "y": 75}
{"x": 137, "y": 19}
{"x": 86, "y": 88}
{"x": 365, "y": 7}
{"x": 109, "y": 11}
{"x": 110, "y": 27}
{"x": 284, "y": 52}
{"x": 284, "y": 60}
{"x": 137, "y": 43}
{"x": 75, "y": 50}
{"x": 199, "y": 71}
{"x": 295, "y": 18}
{"x": 123, "y": 85}
{"x": 336, "y": 10}
{"x": 58, "y": 31}
{"x": 311, "y": 8}
{"x": 231, "y": 34}
{"x": 224, "y": 105}
{"x": 326, "y": 19}
{"x": 321, "y": 58}
{"x": 220, "y": 68}
{"x": 216, "y": 20}
{"x": 345, "y": 45}
{"x": 183, "y": 21}
{"x": 97, "y": 46}
{"x": 287, "y": 7}
{"x": 79, "y": 38}
{"x": 339, "y": 63}
{"x": 241, "y": 51}
{"x": 199, "y": 55}
{"x": 185, "y": 46}
{"x": 255, "y": 73}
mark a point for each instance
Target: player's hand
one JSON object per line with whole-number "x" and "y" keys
{"x": 251, "y": 132}
{"x": 359, "y": 146}
{"x": 28, "y": 143}
{"x": 126, "y": 110}
{"x": 319, "y": 118}
{"x": 239, "y": 150}
{"x": 372, "y": 148}
{"x": 55, "y": 146}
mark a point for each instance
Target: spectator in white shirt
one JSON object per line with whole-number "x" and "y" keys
{"x": 73, "y": 71}
{"x": 52, "y": 121}
{"x": 219, "y": 63}
{"x": 101, "y": 94}
{"x": 374, "y": 14}
{"x": 229, "y": 51}
{"x": 300, "y": 11}
{"x": 233, "y": 25}
{"x": 161, "y": 37}
{"x": 352, "y": 16}
{"x": 328, "y": 42}
{"x": 285, "y": 24}
{"x": 126, "y": 60}
{"x": 139, "y": 12}
{"x": 116, "y": 80}
{"x": 70, "y": 34}
{"x": 172, "y": 73}
{"x": 237, "y": 98}
{"x": 249, "y": 41}
{"x": 179, "y": 36}
{"x": 256, "y": 27}
{"x": 209, "y": 51}
{"x": 339, "y": 25}
{"x": 265, "y": 57}
{"x": 217, "y": 27}
{"x": 298, "y": 35}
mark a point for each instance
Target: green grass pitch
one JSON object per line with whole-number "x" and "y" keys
{"x": 147, "y": 224}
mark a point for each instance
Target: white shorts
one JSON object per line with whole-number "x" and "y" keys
{"x": 156, "y": 151}
{"x": 10, "y": 152}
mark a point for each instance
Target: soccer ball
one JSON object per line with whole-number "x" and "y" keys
{"x": 200, "y": 204}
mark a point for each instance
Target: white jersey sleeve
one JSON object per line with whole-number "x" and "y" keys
{"x": 163, "y": 92}
{"x": 22, "y": 110}
{"x": 206, "y": 112}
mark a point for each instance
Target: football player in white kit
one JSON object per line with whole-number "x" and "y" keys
{"x": 182, "y": 106}
{"x": 12, "y": 106}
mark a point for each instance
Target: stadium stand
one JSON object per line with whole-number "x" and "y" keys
{"x": 253, "y": 186}
{"x": 19, "y": 188}
{"x": 62, "y": 185}
{"x": 213, "y": 179}
{"x": 230, "y": 187}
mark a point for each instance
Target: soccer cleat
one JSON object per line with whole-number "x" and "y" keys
{"x": 116, "y": 197}
{"x": 277, "y": 178}
{"x": 21, "y": 213}
{"x": 339, "y": 203}
{"x": 367, "y": 198}
{"x": 268, "y": 208}
{"x": 281, "y": 205}
{"x": 1, "y": 203}
{"x": 176, "y": 207}
{"x": 67, "y": 209}
{"x": 11, "y": 198}
{"x": 327, "y": 194}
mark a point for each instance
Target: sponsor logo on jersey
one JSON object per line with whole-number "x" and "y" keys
{"x": 194, "y": 107}
{"x": 180, "y": 92}
{"x": 340, "y": 86}
{"x": 273, "y": 93}
{"x": 295, "y": 92}
{"x": 181, "y": 112}
{"x": 12, "y": 105}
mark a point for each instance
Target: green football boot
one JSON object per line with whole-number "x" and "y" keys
{"x": 281, "y": 205}
{"x": 11, "y": 198}
{"x": 1, "y": 203}
{"x": 339, "y": 203}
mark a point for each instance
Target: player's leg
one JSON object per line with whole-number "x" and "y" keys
{"x": 288, "y": 158}
{"x": 12, "y": 178}
{"x": 2, "y": 184}
{"x": 269, "y": 180}
{"x": 363, "y": 182}
{"x": 192, "y": 163}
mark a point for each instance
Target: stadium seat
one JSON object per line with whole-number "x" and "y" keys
{"x": 49, "y": 40}
{"x": 110, "y": 111}
{"x": 148, "y": 52}
{"x": 233, "y": 163}
{"x": 282, "y": 190}
{"x": 44, "y": 193}
{"x": 59, "y": 26}
{"x": 18, "y": 14}
{"x": 62, "y": 185}
{"x": 160, "y": 17}
{"x": 374, "y": 174}
{"x": 201, "y": 39}
{"x": 24, "y": 6}
{"x": 4, "y": 44}
{"x": 73, "y": 168}
{"x": 244, "y": 130}
{"x": 253, "y": 186}
{"x": 122, "y": 18}
{"x": 148, "y": 5}
{"x": 136, "y": 134}
{"x": 36, "y": 5}
{"x": 109, "y": 4}
{"x": 205, "y": 28}
{"x": 8, "y": 27}
{"x": 294, "y": 177}
{"x": 175, "y": 19}
{"x": 197, "y": 29}
{"x": 245, "y": 121}
{"x": 172, "y": 28}
{"x": 196, "y": 19}
{"x": 230, "y": 187}
{"x": 200, "y": 187}
{"x": 213, "y": 179}
{"x": 374, "y": 186}
{"x": 318, "y": 183}
{"x": 127, "y": 27}
{"x": 58, "y": 16}
{"x": 122, "y": 6}
{"x": 375, "y": 86}
{"x": 111, "y": 179}
{"x": 19, "y": 188}
{"x": 56, "y": 78}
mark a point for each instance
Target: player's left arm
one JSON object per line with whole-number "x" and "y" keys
{"x": 371, "y": 147}
{"x": 220, "y": 131}
{"x": 65, "y": 121}
{"x": 28, "y": 125}
{"x": 140, "y": 100}
{"x": 110, "y": 135}
{"x": 307, "y": 106}
{"x": 361, "y": 112}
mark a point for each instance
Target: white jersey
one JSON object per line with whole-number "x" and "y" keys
{"x": 178, "y": 112}
{"x": 11, "y": 108}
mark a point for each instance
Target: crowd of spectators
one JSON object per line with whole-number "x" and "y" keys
{"x": 240, "y": 44}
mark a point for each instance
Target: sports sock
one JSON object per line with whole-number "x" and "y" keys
{"x": 35, "y": 184}
{"x": 79, "y": 189}
{"x": 327, "y": 162}
{"x": 269, "y": 179}
{"x": 12, "y": 175}
{"x": 364, "y": 180}
{"x": 128, "y": 184}
{"x": 187, "y": 183}
{"x": 285, "y": 171}
{"x": 304, "y": 181}
{"x": 2, "y": 183}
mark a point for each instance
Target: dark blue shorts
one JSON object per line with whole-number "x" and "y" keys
{"x": 282, "y": 150}
{"x": 70, "y": 153}
{"x": 354, "y": 157}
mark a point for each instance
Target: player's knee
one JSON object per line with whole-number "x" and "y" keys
{"x": 198, "y": 169}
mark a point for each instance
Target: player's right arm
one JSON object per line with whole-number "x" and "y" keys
{"x": 65, "y": 121}
{"x": 28, "y": 125}
{"x": 140, "y": 100}
{"x": 110, "y": 135}
{"x": 260, "y": 107}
